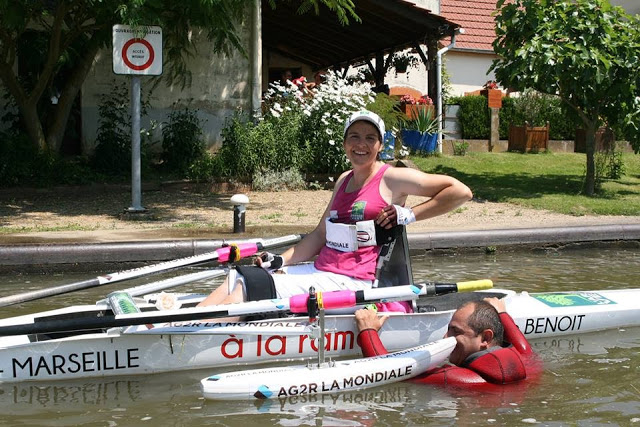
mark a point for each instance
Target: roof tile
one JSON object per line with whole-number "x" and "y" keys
{"x": 477, "y": 20}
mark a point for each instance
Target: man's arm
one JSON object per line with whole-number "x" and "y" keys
{"x": 369, "y": 323}
{"x": 512, "y": 334}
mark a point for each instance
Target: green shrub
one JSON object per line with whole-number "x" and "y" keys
{"x": 473, "y": 117}
{"x": 460, "y": 148}
{"x": 287, "y": 180}
{"x": 248, "y": 147}
{"x": 112, "y": 153}
{"x": 182, "y": 143}
{"x": 23, "y": 164}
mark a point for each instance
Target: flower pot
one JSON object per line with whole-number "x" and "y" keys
{"x": 401, "y": 68}
{"x": 605, "y": 140}
{"x": 418, "y": 141}
{"x": 494, "y": 97}
{"x": 528, "y": 138}
{"x": 411, "y": 110}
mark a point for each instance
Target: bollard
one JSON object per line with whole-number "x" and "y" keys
{"x": 239, "y": 207}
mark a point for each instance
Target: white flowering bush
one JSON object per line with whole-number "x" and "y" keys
{"x": 324, "y": 111}
{"x": 300, "y": 129}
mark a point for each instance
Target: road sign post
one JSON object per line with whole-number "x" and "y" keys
{"x": 136, "y": 52}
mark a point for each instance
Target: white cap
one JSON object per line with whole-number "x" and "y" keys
{"x": 372, "y": 118}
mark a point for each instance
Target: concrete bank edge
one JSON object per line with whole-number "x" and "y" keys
{"x": 150, "y": 251}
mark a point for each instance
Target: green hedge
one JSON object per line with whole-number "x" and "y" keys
{"x": 474, "y": 117}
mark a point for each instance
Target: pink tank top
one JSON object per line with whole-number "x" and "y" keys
{"x": 360, "y": 205}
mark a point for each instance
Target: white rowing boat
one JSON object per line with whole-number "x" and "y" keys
{"x": 331, "y": 377}
{"x": 197, "y": 345}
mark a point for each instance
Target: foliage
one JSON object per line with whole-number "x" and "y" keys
{"x": 247, "y": 147}
{"x": 531, "y": 106}
{"x": 182, "y": 142}
{"x": 473, "y": 117}
{"x": 386, "y": 107}
{"x": 323, "y": 117}
{"x": 537, "y": 109}
{"x": 424, "y": 122}
{"x": 460, "y": 148}
{"x": 287, "y": 180}
{"x": 70, "y": 35}
{"x": 609, "y": 165}
{"x": 204, "y": 168}
{"x": 298, "y": 130}
{"x": 22, "y": 164}
{"x": 112, "y": 153}
{"x": 587, "y": 52}
{"x": 402, "y": 62}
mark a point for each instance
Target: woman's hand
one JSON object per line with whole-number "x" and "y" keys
{"x": 392, "y": 215}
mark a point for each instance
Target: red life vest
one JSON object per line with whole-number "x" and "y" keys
{"x": 497, "y": 365}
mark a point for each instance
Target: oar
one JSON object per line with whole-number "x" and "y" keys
{"x": 172, "y": 282}
{"x": 295, "y": 304}
{"x": 221, "y": 254}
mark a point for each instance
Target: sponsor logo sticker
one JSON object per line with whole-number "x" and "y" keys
{"x": 573, "y": 299}
{"x": 357, "y": 210}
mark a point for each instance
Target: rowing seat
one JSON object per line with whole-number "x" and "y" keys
{"x": 394, "y": 269}
{"x": 394, "y": 264}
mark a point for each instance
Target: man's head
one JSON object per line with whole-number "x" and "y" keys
{"x": 286, "y": 75}
{"x": 476, "y": 326}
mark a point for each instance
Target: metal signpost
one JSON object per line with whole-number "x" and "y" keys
{"x": 136, "y": 52}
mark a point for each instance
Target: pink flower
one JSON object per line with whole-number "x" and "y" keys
{"x": 407, "y": 99}
{"x": 491, "y": 84}
{"x": 424, "y": 99}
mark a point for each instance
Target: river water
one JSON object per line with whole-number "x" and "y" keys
{"x": 589, "y": 379}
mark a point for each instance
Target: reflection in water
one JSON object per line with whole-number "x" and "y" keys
{"x": 588, "y": 379}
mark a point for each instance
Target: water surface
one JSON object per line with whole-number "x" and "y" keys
{"x": 589, "y": 379}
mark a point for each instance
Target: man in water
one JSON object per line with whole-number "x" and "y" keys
{"x": 481, "y": 329}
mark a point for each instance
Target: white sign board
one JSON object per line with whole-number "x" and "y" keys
{"x": 137, "y": 56}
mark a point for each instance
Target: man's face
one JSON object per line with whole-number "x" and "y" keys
{"x": 468, "y": 341}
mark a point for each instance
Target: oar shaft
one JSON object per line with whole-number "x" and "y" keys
{"x": 221, "y": 254}
{"x": 172, "y": 282}
{"x": 295, "y": 304}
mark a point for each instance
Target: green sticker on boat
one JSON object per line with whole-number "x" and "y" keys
{"x": 575, "y": 299}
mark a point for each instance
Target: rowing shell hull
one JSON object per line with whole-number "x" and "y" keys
{"x": 195, "y": 345}
{"x": 338, "y": 377}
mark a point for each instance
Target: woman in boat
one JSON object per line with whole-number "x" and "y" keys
{"x": 366, "y": 206}
{"x": 480, "y": 357}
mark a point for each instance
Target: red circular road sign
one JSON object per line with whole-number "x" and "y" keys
{"x": 130, "y": 64}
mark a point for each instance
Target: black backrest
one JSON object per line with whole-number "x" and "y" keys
{"x": 394, "y": 263}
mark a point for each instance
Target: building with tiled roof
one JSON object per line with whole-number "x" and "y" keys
{"x": 468, "y": 62}
{"x": 477, "y": 20}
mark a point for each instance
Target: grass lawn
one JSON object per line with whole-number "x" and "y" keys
{"x": 550, "y": 181}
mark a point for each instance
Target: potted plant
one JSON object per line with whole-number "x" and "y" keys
{"x": 410, "y": 105}
{"x": 403, "y": 61}
{"x": 421, "y": 133}
{"x": 529, "y": 130}
{"x": 493, "y": 94}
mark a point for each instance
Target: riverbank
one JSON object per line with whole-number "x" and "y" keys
{"x": 95, "y": 214}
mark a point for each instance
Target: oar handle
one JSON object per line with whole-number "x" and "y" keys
{"x": 474, "y": 285}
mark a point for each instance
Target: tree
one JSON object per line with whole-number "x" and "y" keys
{"x": 587, "y": 52}
{"x": 59, "y": 40}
